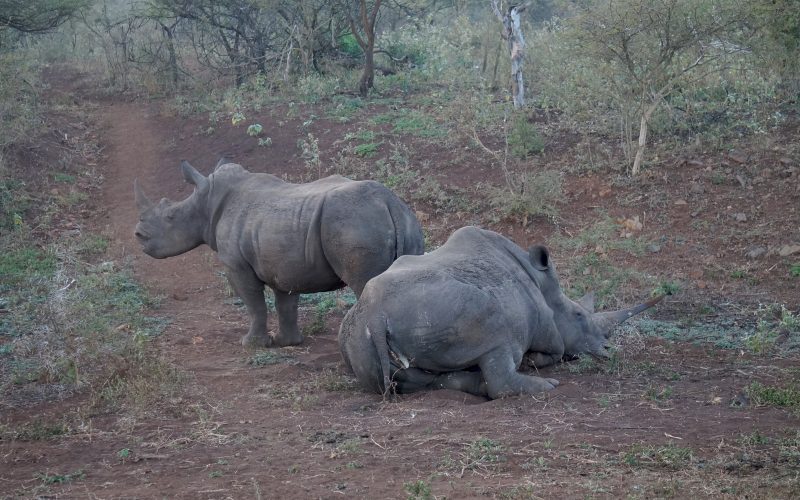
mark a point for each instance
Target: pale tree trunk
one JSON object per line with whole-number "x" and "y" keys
{"x": 646, "y": 114}
{"x": 512, "y": 34}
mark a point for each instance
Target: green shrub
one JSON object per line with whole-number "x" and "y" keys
{"x": 350, "y": 46}
{"x": 523, "y": 138}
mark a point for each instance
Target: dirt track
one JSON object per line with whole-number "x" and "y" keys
{"x": 299, "y": 428}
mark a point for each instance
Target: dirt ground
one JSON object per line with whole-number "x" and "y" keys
{"x": 667, "y": 419}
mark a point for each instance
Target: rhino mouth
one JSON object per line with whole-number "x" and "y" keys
{"x": 600, "y": 354}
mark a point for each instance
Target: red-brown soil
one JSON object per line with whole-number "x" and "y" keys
{"x": 300, "y": 428}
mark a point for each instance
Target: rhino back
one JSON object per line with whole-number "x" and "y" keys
{"x": 273, "y": 227}
{"x": 447, "y": 308}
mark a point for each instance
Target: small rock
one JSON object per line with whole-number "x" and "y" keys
{"x": 653, "y": 248}
{"x": 786, "y": 161}
{"x": 787, "y": 250}
{"x": 695, "y": 163}
{"x": 788, "y": 172}
{"x": 697, "y": 188}
{"x": 106, "y": 267}
{"x": 755, "y": 252}
{"x": 740, "y": 217}
{"x": 741, "y": 180}
{"x": 738, "y": 157}
{"x": 680, "y": 202}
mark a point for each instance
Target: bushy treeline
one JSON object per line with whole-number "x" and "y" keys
{"x": 621, "y": 67}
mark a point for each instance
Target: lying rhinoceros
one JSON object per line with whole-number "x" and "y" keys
{"x": 463, "y": 316}
{"x": 294, "y": 238}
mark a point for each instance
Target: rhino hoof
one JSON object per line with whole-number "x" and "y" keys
{"x": 276, "y": 341}
{"x": 256, "y": 341}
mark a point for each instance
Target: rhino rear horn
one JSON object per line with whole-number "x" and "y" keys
{"x": 142, "y": 201}
{"x": 192, "y": 176}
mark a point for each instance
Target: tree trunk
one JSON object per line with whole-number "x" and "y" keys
{"x": 368, "y": 77}
{"x": 367, "y": 44}
{"x": 637, "y": 162}
{"x": 512, "y": 33}
{"x": 173, "y": 58}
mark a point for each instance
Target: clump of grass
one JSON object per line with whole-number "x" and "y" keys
{"x": 37, "y": 430}
{"x": 271, "y": 357}
{"x": 648, "y": 456}
{"x": 658, "y": 394}
{"x": 774, "y": 322}
{"x": 481, "y": 453}
{"x": 418, "y": 490}
{"x": 333, "y": 381}
{"x": 50, "y": 479}
{"x": 367, "y": 150}
{"x": 412, "y": 122}
{"x": 528, "y": 195}
{"x": 666, "y": 288}
{"x": 26, "y": 263}
{"x": 765, "y": 395}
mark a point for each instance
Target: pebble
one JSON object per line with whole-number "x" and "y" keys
{"x": 755, "y": 252}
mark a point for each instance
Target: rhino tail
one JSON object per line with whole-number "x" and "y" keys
{"x": 409, "y": 239}
{"x": 377, "y": 331}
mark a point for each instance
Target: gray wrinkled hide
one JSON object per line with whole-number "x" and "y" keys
{"x": 294, "y": 238}
{"x": 463, "y": 316}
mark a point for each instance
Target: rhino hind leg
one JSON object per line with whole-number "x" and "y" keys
{"x": 288, "y": 332}
{"x": 251, "y": 290}
{"x": 414, "y": 379}
{"x": 503, "y": 379}
{"x": 471, "y": 382}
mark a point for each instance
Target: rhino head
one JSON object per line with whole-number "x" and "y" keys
{"x": 582, "y": 330}
{"x": 167, "y": 228}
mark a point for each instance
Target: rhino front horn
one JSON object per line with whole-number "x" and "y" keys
{"x": 608, "y": 320}
{"x": 142, "y": 201}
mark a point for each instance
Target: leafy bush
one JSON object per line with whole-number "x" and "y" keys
{"x": 523, "y": 138}
{"x": 349, "y": 45}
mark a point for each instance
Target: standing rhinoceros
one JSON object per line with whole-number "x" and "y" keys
{"x": 477, "y": 302}
{"x": 294, "y": 238}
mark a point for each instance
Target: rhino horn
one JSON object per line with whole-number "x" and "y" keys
{"x": 142, "y": 201}
{"x": 192, "y": 176}
{"x": 608, "y": 320}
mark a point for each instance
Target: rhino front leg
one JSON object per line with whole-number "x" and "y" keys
{"x": 288, "y": 333}
{"x": 503, "y": 379}
{"x": 251, "y": 290}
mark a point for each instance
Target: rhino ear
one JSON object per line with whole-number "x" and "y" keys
{"x": 540, "y": 257}
{"x": 587, "y": 301}
{"x": 222, "y": 161}
{"x": 192, "y": 176}
{"x": 142, "y": 201}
